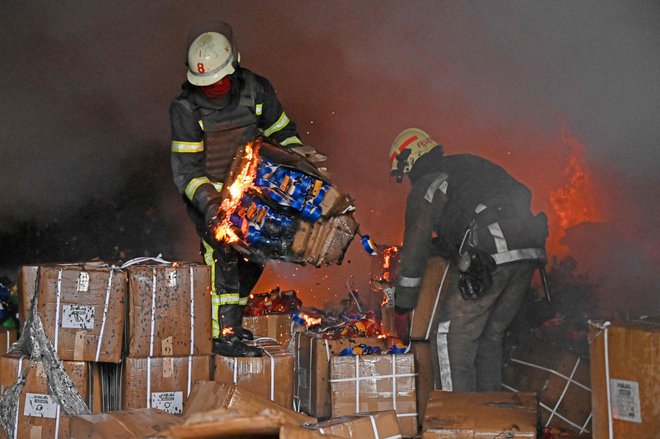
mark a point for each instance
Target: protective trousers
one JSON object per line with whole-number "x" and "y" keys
{"x": 468, "y": 346}
{"x": 232, "y": 280}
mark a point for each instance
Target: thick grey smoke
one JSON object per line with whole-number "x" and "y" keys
{"x": 86, "y": 90}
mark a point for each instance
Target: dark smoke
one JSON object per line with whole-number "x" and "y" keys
{"x": 87, "y": 88}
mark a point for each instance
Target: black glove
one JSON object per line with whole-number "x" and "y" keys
{"x": 402, "y": 324}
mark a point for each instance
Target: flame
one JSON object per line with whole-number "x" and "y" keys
{"x": 227, "y": 331}
{"x": 309, "y": 320}
{"x": 574, "y": 203}
{"x": 224, "y": 232}
{"x": 388, "y": 254}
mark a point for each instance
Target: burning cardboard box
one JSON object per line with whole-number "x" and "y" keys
{"x": 39, "y": 416}
{"x": 269, "y": 376}
{"x": 162, "y": 382}
{"x": 625, "y": 379}
{"x": 278, "y": 205}
{"x": 81, "y": 307}
{"x": 169, "y": 310}
{"x": 368, "y": 383}
{"x": 476, "y": 414}
{"x": 136, "y": 424}
{"x": 313, "y": 356}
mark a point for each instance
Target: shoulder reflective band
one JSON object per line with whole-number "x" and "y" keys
{"x": 258, "y": 109}
{"x": 281, "y": 123}
{"x": 193, "y": 185}
{"x": 187, "y": 146}
{"x": 439, "y": 183}
{"x": 293, "y": 140}
{"x": 409, "y": 282}
{"x": 519, "y": 255}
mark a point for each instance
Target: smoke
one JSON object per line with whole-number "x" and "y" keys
{"x": 87, "y": 89}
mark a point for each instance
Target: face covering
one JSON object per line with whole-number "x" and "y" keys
{"x": 217, "y": 89}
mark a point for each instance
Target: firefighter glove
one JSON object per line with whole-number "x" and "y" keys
{"x": 402, "y": 324}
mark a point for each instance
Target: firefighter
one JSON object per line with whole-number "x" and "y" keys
{"x": 478, "y": 216}
{"x": 221, "y": 107}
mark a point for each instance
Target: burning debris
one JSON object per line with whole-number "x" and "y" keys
{"x": 278, "y": 205}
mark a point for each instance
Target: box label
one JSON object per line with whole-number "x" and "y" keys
{"x": 171, "y": 279}
{"x": 171, "y": 402}
{"x": 625, "y": 400}
{"x": 37, "y": 404}
{"x": 83, "y": 282}
{"x": 78, "y": 316}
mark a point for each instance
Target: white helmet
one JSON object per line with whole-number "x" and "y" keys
{"x": 211, "y": 57}
{"x": 408, "y": 146}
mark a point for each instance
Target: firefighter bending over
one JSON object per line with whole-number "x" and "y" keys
{"x": 480, "y": 217}
{"x": 221, "y": 107}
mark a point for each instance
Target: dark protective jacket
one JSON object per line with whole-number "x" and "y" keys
{"x": 206, "y": 133}
{"x": 453, "y": 194}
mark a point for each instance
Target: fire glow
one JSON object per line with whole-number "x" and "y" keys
{"x": 309, "y": 320}
{"x": 388, "y": 254}
{"x": 224, "y": 232}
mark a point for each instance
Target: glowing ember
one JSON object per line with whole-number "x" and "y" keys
{"x": 388, "y": 254}
{"x": 227, "y": 331}
{"x": 309, "y": 320}
{"x": 575, "y": 202}
{"x": 243, "y": 181}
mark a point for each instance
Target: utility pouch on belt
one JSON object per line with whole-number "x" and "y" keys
{"x": 476, "y": 267}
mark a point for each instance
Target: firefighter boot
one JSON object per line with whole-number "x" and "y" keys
{"x": 243, "y": 334}
{"x": 232, "y": 346}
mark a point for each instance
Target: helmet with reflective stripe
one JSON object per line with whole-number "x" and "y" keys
{"x": 211, "y": 57}
{"x": 408, "y": 146}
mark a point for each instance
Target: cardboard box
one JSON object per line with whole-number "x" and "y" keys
{"x": 169, "y": 310}
{"x": 82, "y": 310}
{"x": 161, "y": 382}
{"x": 275, "y": 326}
{"x": 7, "y": 338}
{"x": 371, "y": 383}
{"x": 561, "y": 380}
{"x": 362, "y": 426}
{"x": 137, "y": 423}
{"x": 424, "y": 379}
{"x": 631, "y": 353}
{"x": 480, "y": 415}
{"x": 313, "y": 354}
{"x": 438, "y": 277}
{"x": 27, "y": 287}
{"x": 39, "y": 415}
{"x": 269, "y": 376}
{"x": 212, "y": 395}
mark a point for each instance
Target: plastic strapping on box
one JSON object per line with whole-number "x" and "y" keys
{"x": 57, "y": 308}
{"x": 272, "y": 375}
{"x": 357, "y": 384}
{"x": 393, "y": 381}
{"x": 20, "y": 370}
{"x": 190, "y": 358}
{"x": 148, "y": 382}
{"x": 7, "y": 331}
{"x": 105, "y": 313}
{"x": 373, "y": 426}
{"x": 327, "y": 350}
{"x": 437, "y": 300}
{"x": 57, "y": 421}
{"x": 608, "y": 391}
{"x": 35, "y": 343}
{"x": 192, "y": 313}
{"x": 554, "y": 372}
{"x": 563, "y": 393}
{"x": 309, "y": 374}
{"x": 235, "y": 369}
{"x": 153, "y": 313}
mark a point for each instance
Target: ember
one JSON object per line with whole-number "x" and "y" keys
{"x": 227, "y": 331}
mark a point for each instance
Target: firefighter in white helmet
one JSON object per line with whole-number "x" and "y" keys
{"x": 481, "y": 218}
{"x": 221, "y": 107}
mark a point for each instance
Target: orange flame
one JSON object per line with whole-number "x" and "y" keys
{"x": 574, "y": 203}
{"x": 309, "y": 320}
{"x": 227, "y": 331}
{"x": 388, "y": 254}
{"x": 243, "y": 181}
